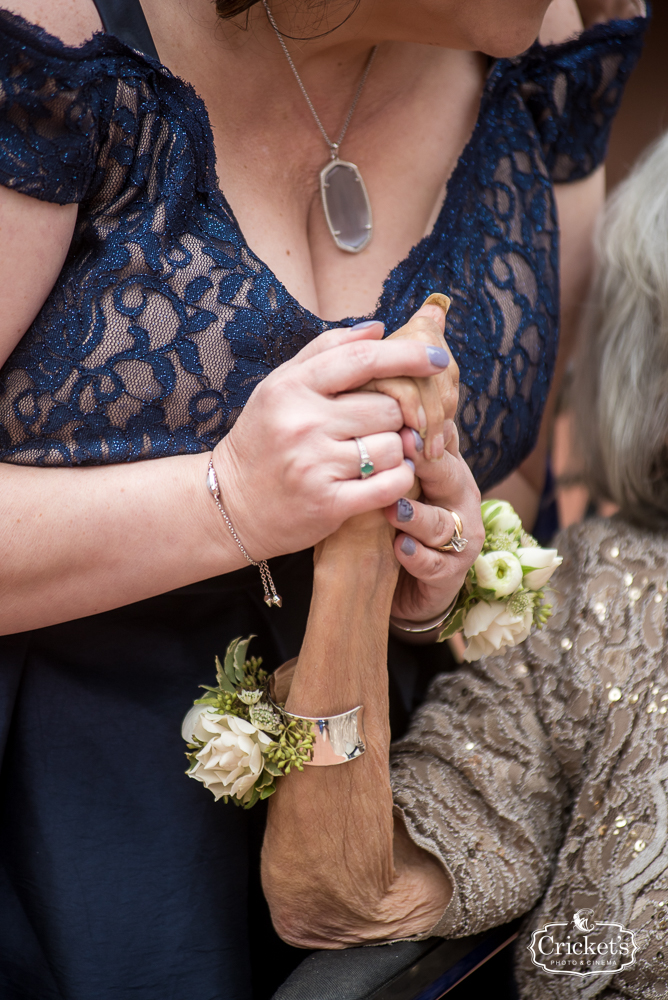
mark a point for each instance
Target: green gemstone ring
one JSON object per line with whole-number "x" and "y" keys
{"x": 366, "y": 465}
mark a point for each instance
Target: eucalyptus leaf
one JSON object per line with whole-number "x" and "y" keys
{"x": 230, "y": 672}
{"x": 454, "y": 626}
{"x": 239, "y": 657}
{"x": 266, "y": 778}
{"x": 272, "y": 768}
{"x": 255, "y": 797}
{"x": 223, "y": 681}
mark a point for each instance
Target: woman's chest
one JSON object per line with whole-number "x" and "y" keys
{"x": 405, "y": 136}
{"x": 165, "y": 318}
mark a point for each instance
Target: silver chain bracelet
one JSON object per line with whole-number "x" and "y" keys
{"x": 271, "y": 598}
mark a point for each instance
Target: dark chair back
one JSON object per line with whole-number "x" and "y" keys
{"x": 406, "y": 970}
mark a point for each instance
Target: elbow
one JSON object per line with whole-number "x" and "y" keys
{"x": 310, "y": 909}
{"x": 304, "y": 912}
{"x": 313, "y": 914}
{"x": 303, "y": 930}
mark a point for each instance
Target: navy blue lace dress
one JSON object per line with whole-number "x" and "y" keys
{"x": 118, "y": 876}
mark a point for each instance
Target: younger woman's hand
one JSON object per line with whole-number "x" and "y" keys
{"x": 289, "y": 470}
{"x": 429, "y": 580}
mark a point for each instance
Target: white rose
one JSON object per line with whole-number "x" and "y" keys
{"x": 489, "y": 626}
{"x": 499, "y": 517}
{"x": 543, "y": 563}
{"x": 499, "y": 571}
{"x": 231, "y": 760}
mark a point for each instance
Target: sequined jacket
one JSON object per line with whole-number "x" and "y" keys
{"x": 540, "y": 778}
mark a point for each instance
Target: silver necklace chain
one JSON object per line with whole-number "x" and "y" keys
{"x": 333, "y": 146}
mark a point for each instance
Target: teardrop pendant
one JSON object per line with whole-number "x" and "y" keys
{"x": 346, "y": 205}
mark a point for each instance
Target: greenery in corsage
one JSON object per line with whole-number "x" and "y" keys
{"x": 238, "y": 743}
{"x": 502, "y": 597}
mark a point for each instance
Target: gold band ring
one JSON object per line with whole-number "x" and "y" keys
{"x": 457, "y": 543}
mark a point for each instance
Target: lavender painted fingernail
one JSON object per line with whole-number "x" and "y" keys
{"x": 366, "y": 324}
{"x": 408, "y": 546}
{"x": 438, "y": 356}
{"x": 411, "y": 465}
{"x": 419, "y": 443}
{"x": 405, "y": 510}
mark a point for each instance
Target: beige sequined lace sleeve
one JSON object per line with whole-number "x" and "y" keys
{"x": 540, "y": 778}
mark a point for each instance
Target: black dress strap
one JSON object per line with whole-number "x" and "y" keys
{"x": 126, "y": 20}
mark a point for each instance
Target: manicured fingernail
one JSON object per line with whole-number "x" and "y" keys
{"x": 405, "y": 510}
{"x": 366, "y": 324}
{"x": 411, "y": 465}
{"x": 422, "y": 421}
{"x": 438, "y": 356}
{"x": 437, "y": 448}
{"x": 408, "y": 546}
{"x": 419, "y": 443}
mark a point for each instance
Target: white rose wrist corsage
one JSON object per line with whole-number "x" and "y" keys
{"x": 502, "y": 597}
{"x": 238, "y": 741}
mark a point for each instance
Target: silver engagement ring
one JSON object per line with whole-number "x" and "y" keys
{"x": 366, "y": 465}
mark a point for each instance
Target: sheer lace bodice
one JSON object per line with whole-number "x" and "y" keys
{"x": 544, "y": 772}
{"x": 163, "y": 319}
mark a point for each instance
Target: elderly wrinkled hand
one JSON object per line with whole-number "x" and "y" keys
{"x": 430, "y": 579}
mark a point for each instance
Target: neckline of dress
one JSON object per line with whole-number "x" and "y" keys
{"x": 411, "y": 262}
{"x": 408, "y": 265}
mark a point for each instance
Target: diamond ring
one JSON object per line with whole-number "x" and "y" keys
{"x": 457, "y": 543}
{"x": 366, "y": 465}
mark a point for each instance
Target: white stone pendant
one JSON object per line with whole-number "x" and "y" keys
{"x": 346, "y": 204}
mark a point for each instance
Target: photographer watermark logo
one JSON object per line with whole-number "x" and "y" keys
{"x": 583, "y": 946}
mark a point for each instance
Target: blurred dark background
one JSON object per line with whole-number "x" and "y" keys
{"x": 642, "y": 118}
{"x": 644, "y": 112}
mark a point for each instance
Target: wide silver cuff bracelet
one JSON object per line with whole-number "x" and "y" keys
{"x": 336, "y": 738}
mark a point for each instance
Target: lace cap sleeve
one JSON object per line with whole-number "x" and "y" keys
{"x": 573, "y": 92}
{"x": 50, "y": 107}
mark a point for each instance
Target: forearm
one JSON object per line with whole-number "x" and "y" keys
{"x": 333, "y": 872}
{"x": 79, "y": 541}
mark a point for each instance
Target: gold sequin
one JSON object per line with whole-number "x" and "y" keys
{"x": 620, "y": 821}
{"x": 566, "y": 644}
{"x": 628, "y": 579}
{"x": 614, "y": 694}
{"x": 614, "y": 552}
{"x": 639, "y": 845}
{"x": 635, "y": 593}
{"x": 652, "y": 707}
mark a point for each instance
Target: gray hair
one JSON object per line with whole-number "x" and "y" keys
{"x": 621, "y": 379}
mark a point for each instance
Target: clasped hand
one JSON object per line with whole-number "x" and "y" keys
{"x": 289, "y": 468}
